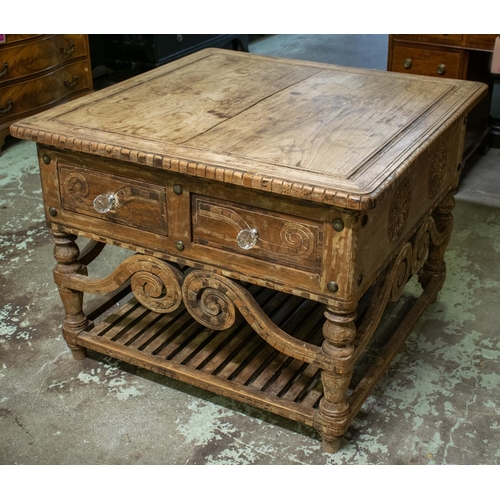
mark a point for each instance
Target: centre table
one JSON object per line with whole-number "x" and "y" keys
{"x": 274, "y": 209}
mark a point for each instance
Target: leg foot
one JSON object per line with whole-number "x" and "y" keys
{"x": 331, "y": 444}
{"x": 78, "y": 352}
{"x": 333, "y": 416}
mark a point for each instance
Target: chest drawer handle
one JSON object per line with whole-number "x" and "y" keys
{"x": 8, "y": 108}
{"x": 69, "y": 51}
{"x": 441, "y": 69}
{"x": 104, "y": 203}
{"x": 5, "y": 68}
{"x": 69, "y": 84}
{"x": 247, "y": 238}
{"x": 407, "y": 63}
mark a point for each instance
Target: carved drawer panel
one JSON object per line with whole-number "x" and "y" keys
{"x": 424, "y": 61}
{"x": 118, "y": 199}
{"x": 20, "y": 98}
{"x": 42, "y": 55}
{"x": 266, "y": 235}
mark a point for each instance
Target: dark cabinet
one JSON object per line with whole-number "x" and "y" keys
{"x": 145, "y": 52}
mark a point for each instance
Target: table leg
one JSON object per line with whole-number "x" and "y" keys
{"x": 333, "y": 415}
{"x": 435, "y": 265}
{"x": 66, "y": 253}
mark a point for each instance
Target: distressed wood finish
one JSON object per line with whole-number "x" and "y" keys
{"x": 275, "y": 207}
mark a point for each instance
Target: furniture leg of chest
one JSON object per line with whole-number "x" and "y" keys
{"x": 275, "y": 209}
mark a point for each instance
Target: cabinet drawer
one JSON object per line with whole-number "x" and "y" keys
{"x": 258, "y": 233}
{"x": 455, "y": 40}
{"x": 486, "y": 42}
{"x": 25, "y": 60}
{"x": 117, "y": 199}
{"x": 28, "y": 96}
{"x": 423, "y": 61}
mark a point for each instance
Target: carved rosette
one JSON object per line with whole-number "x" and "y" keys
{"x": 76, "y": 186}
{"x": 437, "y": 170}
{"x": 399, "y": 211}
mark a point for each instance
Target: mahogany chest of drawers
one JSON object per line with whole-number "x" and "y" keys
{"x": 467, "y": 57}
{"x": 275, "y": 208}
{"x": 38, "y": 72}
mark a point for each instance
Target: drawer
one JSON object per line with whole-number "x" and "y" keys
{"x": 16, "y": 38}
{"x": 423, "y": 61}
{"x": 28, "y": 96}
{"x": 485, "y": 42}
{"x": 455, "y": 40}
{"x": 109, "y": 197}
{"x": 27, "y": 59}
{"x": 258, "y": 233}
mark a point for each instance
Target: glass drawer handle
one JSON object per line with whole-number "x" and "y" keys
{"x": 441, "y": 69}
{"x": 5, "y": 68}
{"x": 247, "y": 238}
{"x": 407, "y": 63}
{"x": 105, "y": 202}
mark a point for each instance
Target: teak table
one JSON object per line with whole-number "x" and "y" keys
{"x": 260, "y": 196}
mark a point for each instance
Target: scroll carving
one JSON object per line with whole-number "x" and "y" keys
{"x": 213, "y": 300}
{"x": 392, "y": 282}
{"x": 155, "y": 283}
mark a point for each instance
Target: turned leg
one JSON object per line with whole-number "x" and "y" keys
{"x": 333, "y": 415}
{"x": 435, "y": 265}
{"x": 66, "y": 253}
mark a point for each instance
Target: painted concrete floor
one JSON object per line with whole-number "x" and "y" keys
{"x": 439, "y": 403}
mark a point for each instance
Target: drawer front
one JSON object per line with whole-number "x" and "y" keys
{"x": 258, "y": 233}
{"x": 486, "y": 42}
{"x": 455, "y": 40}
{"x": 28, "y": 59}
{"x": 28, "y": 96}
{"x": 16, "y": 38}
{"x": 421, "y": 61}
{"x": 131, "y": 203}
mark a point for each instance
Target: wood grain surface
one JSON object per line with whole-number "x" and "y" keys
{"x": 316, "y": 131}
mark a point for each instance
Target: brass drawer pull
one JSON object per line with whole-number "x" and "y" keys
{"x": 247, "y": 238}
{"x": 5, "y": 68}
{"x": 407, "y": 63}
{"x": 8, "y": 108}
{"x": 69, "y": 84}
{"x": 104, "y": 203}
{"x": 69, "y": 51}
{"x": 441, "y": 69}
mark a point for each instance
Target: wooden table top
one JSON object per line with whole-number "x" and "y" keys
{"x": 325, "y": 133}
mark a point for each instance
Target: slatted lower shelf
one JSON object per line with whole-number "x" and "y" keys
{"x": 235, "y": 362}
